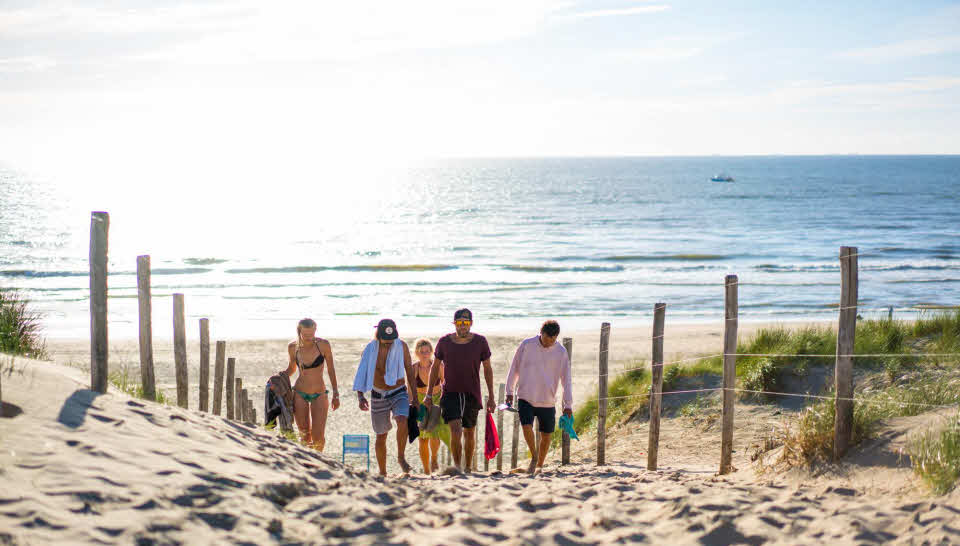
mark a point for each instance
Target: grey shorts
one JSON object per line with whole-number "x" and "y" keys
{"x": 381, "y": 409}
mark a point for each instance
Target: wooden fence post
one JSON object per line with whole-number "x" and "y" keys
{"x": 144, "y": 299}
{"x": 230, "y": 397}
{"x": 180, "y": 350}
{"x": 500, "y": 398}
{"x": 516, "y": 437}
{"x": 731, "y": 313}
{"x": 846, "y": 336}
{"x": 656, "y": 384}
{"x": 99, "y": 227}
{"x": 565, "y": 437}
{"x": 602, "y": 394}
{"x": 245, "y": 404}
{"x": 204, "y": 364}
{"x": 238, "y": 404}
{"x": 218, "y": 376}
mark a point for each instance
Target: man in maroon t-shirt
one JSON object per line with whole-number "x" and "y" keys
{"x": 461, "y": 355}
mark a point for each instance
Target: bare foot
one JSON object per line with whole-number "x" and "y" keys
{"x": 404, "y": 466}
{"x": 435, "y": 466}
{"x": 533, "y": 466}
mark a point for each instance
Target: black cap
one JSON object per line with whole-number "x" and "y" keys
{"x": 463, "y": 314}
{"x": 387, "y": 329}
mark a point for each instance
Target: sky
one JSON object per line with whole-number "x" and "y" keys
{"x": 253, "y": 88}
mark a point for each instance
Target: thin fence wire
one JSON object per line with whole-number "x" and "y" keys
{"x": 772, "y": 355}
{"x": 799, "y": 395}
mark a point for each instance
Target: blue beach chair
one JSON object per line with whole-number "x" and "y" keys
{"x": 358, "y": 444}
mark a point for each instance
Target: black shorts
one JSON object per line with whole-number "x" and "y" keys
{"x": 460, "y": 405}
{"x": 546, "y": 416}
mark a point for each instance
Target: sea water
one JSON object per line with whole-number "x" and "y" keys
{"x": 582, "y": 240}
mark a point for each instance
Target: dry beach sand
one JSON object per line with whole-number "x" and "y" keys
{"x": 76, "y": 467}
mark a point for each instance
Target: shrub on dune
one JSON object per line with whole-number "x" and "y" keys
{"x": 20, "y": 332}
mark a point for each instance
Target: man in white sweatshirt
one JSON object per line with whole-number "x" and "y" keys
{"x": 538, "y": 366}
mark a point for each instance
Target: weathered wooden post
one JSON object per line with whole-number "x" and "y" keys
{"x": 144, "y": 299}
{"x": 245, "y": 404}
{"x": 180, "y": 350}
{"x": 656, "y": 385}
{"x": 516, "y": 437}
{"x": 486, "y": 462}
{"x": 731, "y": 314}
{"x": 602, "y": 394}
{"x": 846, "y": 336}
{"x": 99, "y": 227}
{"x": 500, "y": 398}
{"x": 218, "y": 376}
{"x": 565, "y": 437}
{"x": 204, "y": 364}
{"x": 238, "y": 405}
{"x": 231, "y": 398}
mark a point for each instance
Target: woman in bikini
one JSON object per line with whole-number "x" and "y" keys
{"x": 308, "y": 354}
{"x": 429, "y": 441}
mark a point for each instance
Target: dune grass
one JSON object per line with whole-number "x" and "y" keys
{"x": 809, "y": 439}
{"x": 629, "y": 393}
{"x": 935, "y": 455}
{"x": 20, "y": 332}
{"x": 122, "y": 381}
{"x": 902, "y": 341}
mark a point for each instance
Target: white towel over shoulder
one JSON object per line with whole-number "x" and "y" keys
{"x": 394, "y": 373}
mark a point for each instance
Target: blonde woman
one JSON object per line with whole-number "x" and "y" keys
{"x": 308, "y": 354}
{"x": 429, "y": 441}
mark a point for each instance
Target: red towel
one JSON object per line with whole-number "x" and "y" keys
{"x": 492, "y": 446}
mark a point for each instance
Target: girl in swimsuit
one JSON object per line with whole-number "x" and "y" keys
{"x": 308, "y": 354}
{"x": 429, "y": 441}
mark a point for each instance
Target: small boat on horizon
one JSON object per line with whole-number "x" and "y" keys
{"x": 722, "y": 177}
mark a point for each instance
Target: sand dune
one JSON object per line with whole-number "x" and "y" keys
{"x": 81, "y": 468}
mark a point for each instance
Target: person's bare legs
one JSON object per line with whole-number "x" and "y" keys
{"x": 434, "y": 449}
{"x": 544, "y": 447}
{"x": 401, "y": 443}
{"x": 381, "y": 450}
{"x": 318, "y": 421}
{"x": 301, "y": 414}
{"x": 456, "y": 445}
{"x": 469, "y": 445}
{"x": 425, "y": 455}
{"x": 531, "y": 439}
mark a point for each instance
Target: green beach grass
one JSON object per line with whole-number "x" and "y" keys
{"x": 20, "y": 327}
{"x": 935, "y": 455}
{"x": 122, "y": 381}
{"x": 910, "y": 377}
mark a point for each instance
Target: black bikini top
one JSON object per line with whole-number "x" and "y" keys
{"x": 316, "y": 363}
{"x": 420, "y": 383}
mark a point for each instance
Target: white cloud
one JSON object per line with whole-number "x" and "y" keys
{"x": 298, "y": 31}
{"x": 26, "y": 64}
{"x": 903, "y": 50}
{"x": 638, "y": 10}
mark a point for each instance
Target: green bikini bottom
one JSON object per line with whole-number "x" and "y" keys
{"x": 308, "y": 397}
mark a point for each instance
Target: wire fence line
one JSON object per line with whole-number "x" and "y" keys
{"x": 799, "y": 395}
{"x": 771, "y": 355}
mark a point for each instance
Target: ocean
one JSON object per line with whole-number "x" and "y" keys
{"x": 582, "y": 240}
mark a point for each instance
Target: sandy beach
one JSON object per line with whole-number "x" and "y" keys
{"x": 257, "y": 360}
{"x": 84, "y": 468}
